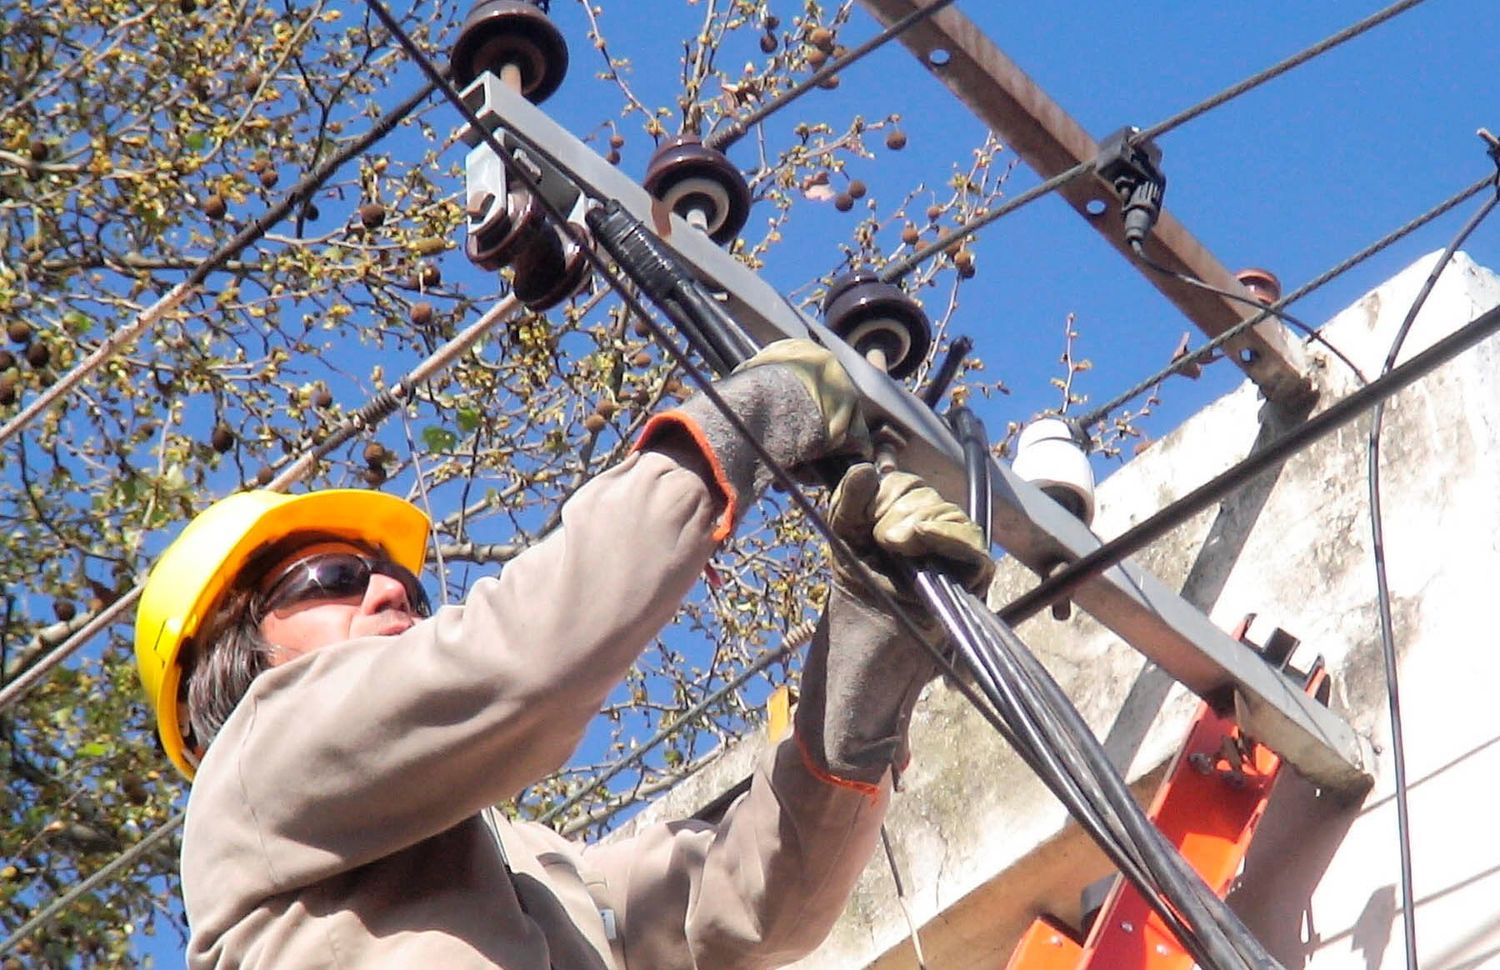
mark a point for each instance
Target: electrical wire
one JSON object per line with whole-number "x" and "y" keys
{"x": 363, "y": 418}
{"x": 1064, "y": 582}
{"x": 1275, "y": 70}
{"x": 119, "y": 340}
{"x": 722, "y": 139}
{"x": 1383, "y": 593}
{"x": 104, "y": 874}
{"x": 1051, "y": 737}
{"x": 1310, "y": 332}
{"x": 1263, "y": 313}
{"x": 893, "y": 272}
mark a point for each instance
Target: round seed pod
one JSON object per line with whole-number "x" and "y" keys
{"x": 38, "y": 354}
{"x": 215, "y": 207}
{"x": 372, "y": 215}
{"x": 322, "y": 398}
{"x": 64, "y": 610}
{"x": 821, "y": 38}
{"x": 421, "y": 314}
{"x": 222, "y": 439}
{"x": 595, "y": 423}
{"x": 895, "y": 139}
{"x": 857, "y": 189}
{"x": 768, "y": 43}
{"x": 19, "y": 331}
{"x": 264, "y": 475}
{"x": 375, "y": 453}
{"x": 374, "y": 476}
{"x": 911, "y": 235}
{"x": 8, "y": 392}
{"x": 843, "y": 202}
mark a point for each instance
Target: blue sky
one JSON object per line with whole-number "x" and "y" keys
{"x": 1292, "y": 177}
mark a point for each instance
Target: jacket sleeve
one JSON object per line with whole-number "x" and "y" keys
{"x": 763, "y": 886}
{"x": 365, "y": 747}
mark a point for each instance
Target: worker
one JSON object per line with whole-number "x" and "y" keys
{"x": 347, "y": 746}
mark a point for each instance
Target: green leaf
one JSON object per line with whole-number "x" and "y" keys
{"x": 438, "y": 439}
{"x": 195, "y": 140}
{"x": 94, "y": 749}
{"x": 468, "y": 419}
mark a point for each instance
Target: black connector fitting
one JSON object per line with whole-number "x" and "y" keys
{"x": 1134, "y": 172}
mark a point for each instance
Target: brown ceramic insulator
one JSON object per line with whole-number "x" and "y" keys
{"x": 872, "y": 315}
{"x": 504, "y": 239}
{"x": 1262, "y": 284}
{"x": 686, "y": 175}
{"x": 553, "y": 268}
{"x": 511, "y": 33}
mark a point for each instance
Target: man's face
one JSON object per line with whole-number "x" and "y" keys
{"x": 320, "y": 595}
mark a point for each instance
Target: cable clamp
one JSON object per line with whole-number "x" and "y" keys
{"x": 1133, "y": 170}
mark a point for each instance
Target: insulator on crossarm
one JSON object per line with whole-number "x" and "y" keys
{"x": 552, "y": 268}
{"x": 701, "y": 185}
{"x": 517, "y": 42}
{"x": 879, "y": 321}
{"x": 1050, "y": 457}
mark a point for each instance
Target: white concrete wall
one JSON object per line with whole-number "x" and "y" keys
{"x": 983, "y": 847}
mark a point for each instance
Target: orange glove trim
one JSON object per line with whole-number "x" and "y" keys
{"x": 668, "y": 421}
{"x": 869, "y": 791}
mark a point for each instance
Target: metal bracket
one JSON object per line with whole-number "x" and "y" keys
{"x": 1029, "y": 525}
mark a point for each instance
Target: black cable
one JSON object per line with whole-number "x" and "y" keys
{"x": 1263, "y": 313}
{"x": 1383, "y": 594}
{"x": 1059, "y": 766}
{"x": 1090, "y": 786}
{"x": 722, "y": 139}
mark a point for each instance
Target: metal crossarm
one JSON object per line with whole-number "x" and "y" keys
{"x": 1051, "y": 142}
{"x": 1029, "y": 525}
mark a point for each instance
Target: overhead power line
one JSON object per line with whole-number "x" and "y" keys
{"x": 1141, "y": 387}
{"x": 1068, "y": 579}
{"x": 367, "y": 416}
{"x": 897, "y": 270}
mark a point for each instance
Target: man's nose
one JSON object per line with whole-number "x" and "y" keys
{"x": 385, "y": 593}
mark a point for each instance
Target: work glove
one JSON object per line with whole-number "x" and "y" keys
{"x": 864, "y": 671}
{"x": 795, "y": 399}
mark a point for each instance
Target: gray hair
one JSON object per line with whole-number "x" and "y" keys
{"x": 226, "y": 657}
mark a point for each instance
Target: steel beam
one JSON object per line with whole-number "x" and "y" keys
{"x": 1051, "y": 142}
{"x": 1029, "y": 525}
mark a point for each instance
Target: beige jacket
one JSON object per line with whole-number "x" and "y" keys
{"x": 336, "y": 820}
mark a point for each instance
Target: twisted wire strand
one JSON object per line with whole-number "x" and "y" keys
{"x": 1141, "y": 387}
{"x": 896, "y": 271}
{"x": 369, "y": 414}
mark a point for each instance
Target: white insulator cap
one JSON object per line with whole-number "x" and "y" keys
{"x": 1049, "y": 457}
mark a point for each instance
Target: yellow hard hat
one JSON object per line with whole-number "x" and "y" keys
{"x": 201, "y": 565}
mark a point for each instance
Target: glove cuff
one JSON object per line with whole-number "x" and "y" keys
{"x": 860, "y": 683}
{"x": 779, "y": 412}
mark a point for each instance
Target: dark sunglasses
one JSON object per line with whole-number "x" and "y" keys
{"x": 340, "y": 575}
